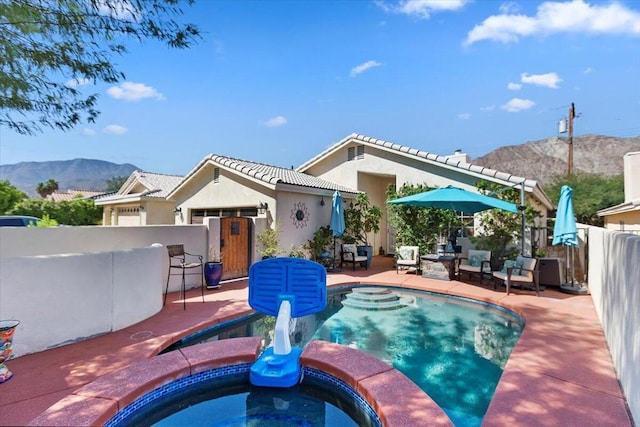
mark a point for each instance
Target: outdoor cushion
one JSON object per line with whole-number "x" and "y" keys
{"x": 405, "y": 253}
{"x": 476, "y": 260}
{"x": 510, "y": 263}
{"x": 349, "y": 248}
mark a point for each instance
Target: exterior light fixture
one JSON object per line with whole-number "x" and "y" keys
{"x": 262, "y": 208}
{"x": 177, "y": 211}
{"x": 322, "y": 201}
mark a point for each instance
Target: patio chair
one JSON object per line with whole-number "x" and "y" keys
{"x": 178, "y": 261}
{"x": 476, "y": 262}
{"x": 407, "y": 258}
{"x": 350, "y": 255}
{"x": 523, "y": 272}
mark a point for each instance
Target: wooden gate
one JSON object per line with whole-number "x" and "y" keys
{"x": 235, "y": 235}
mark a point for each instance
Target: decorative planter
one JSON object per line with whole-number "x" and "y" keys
{"x": 212, "y": 274}
{"x": 7, "y": 329}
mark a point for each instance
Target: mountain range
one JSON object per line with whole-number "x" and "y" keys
{"x": 539, "y": 160}
{"x": 76, "y": 174}
{"x": 542, "y": 160}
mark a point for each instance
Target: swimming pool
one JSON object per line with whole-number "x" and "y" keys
{"x": 453, "y": 348}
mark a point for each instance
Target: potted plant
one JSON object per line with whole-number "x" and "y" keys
{"x": 297, "y": 251}
{"x": 361, "y": 218}
{"x": 213, "y": 268}
{"x": 319, "y": 245}
{"x": 268, "y": 240}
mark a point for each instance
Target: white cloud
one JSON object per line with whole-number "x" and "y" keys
{"x": 422, "y": 8}
{"x": 552, "y": 17}
{"x": 549, "y": 80}
{"x": 88, "y": 132}
{"x": 464, "y": 116}
{"x": 115, "y": 129}
{"x": 516, "y": 104}
{"x": 514, "y": 86}
{"x": 130, "y": 91}
{"x": 363, "y": 67}
{"x": 589, "y": 70}
{"x": 275, "y": 122}
{"x": 488, "y": 108}
{"x": 77, "y": 82}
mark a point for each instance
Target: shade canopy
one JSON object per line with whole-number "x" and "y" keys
{"x": 565, "y": 231}
{"x": 337, "y": 215}
{"x": 456, "y": 199}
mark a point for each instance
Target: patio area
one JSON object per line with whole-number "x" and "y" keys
{"x": 560, "y": 372}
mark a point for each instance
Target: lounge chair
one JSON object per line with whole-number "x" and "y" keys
{"x": 350, "y": 255}
{"x": 523, "y": 271}
{"x": 407, "y": 258}
{"x": 476, "y": 262}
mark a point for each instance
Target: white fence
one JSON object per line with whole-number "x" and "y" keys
{"x": 614, "y": 282}
{"x": 64, "y": 298}
{"x": 68, "y": 283}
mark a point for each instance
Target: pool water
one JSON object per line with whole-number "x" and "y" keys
{"x": 454, "y": 348}
{"x": 224, "y": 397}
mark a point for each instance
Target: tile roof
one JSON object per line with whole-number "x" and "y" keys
{"x": 628, "y": 206}
{"x": 156, "y": 185}
{"x": 159, "y": 185}
{"x": 72, "y": 195}
{"x": 272, "y": 175}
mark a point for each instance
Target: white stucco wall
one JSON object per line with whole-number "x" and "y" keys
{"x": 614, "y": 284}
{"x": 385, "y": 163}
{"x": 294, "y": 232}
{"x": 63, "y": 298}
{"x": 231, "y": 191}
{"x": 27, "y": 241}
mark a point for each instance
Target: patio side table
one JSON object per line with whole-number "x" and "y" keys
{"x": 441, "y": 267}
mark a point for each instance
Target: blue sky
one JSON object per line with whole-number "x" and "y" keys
{"x": 280, "y": 81}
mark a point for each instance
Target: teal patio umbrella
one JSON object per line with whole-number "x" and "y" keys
{"x": 337, "y": 215}
{"x": 337, "y": 219}
{"x": 457, "y": 199}
{"x": 565, "y": 232}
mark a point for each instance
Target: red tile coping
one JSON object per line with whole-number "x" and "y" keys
{"x": 99, "y": 400}
{"x": 395, "y": 398}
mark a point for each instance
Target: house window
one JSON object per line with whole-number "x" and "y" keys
{"x": 216, "y": 175}
{"x": 355, "y": 153}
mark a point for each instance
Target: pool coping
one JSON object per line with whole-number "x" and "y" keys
{"x": 378, "y": 383}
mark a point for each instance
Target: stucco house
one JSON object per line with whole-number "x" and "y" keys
{"x": 371, "y": 165}
{"x": 626, "y": 216}
{"x": 245, "y": 197}
{"x": 142, "y": 200}
{"x": 248, "y": 197}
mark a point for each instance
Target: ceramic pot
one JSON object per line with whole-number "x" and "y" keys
{"x": 7, "y": 329}
{"x": 212, "y": 274}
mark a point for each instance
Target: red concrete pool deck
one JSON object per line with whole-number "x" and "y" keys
{"x": 560, "y": 372}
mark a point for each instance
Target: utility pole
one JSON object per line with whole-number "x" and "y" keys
{"x": 572, "y": 115}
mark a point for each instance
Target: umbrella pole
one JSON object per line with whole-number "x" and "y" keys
{"x": 572, "y": 288}
{"x": 333, "y": 264}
